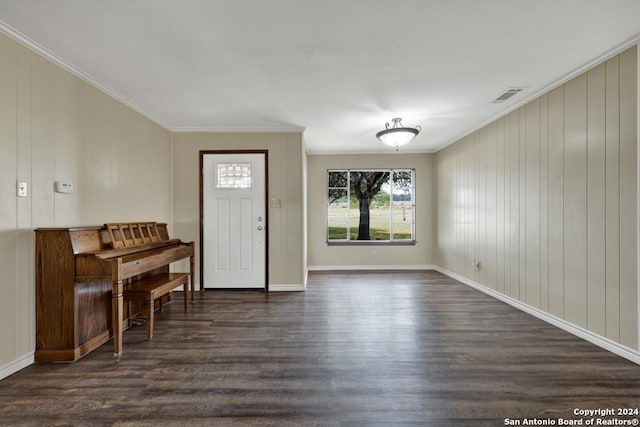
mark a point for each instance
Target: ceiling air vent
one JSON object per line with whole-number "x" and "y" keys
{"x": 508, "y": 94}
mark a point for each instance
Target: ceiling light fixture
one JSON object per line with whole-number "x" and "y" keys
{"x": 397, "y": 135}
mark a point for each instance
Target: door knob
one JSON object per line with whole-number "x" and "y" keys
{"x": 260, "y": 228}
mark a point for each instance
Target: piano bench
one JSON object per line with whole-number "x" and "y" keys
{"x": 149, "y": 289}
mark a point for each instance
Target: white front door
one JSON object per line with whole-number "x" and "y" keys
{"x": 234, "y": 220}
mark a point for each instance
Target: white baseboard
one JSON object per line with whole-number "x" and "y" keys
{"x": 287, "y": 288}
{"x": 13, "y": 367}
{"x": 598, "y": 340}
{"x": 370, "y": 267}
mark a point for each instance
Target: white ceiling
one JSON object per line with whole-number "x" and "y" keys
{"x": 339, "y": 69}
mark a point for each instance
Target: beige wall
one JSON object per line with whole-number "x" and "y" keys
{"x": 286, "y": 232}
{"x": 545, "y": 199}
{"x": 323, "y": 256}
{"x": 53, "y": 126}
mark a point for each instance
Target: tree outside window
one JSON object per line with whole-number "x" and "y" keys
{"x": 371, "y": 205}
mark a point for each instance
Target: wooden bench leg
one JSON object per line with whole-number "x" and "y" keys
{"x": 186, "y": 294}
{"x": 150, "y": 319}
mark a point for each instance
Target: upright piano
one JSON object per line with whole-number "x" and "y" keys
{"x": 81, "y": 274}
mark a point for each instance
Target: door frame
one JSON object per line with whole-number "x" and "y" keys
{"x": 203, "y": 153}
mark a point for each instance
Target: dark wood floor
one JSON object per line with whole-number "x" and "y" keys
{"x": 361, "y": 349}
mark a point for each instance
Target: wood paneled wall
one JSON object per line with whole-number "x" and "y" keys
{"x": 54, "y": 126}
{"x": 545, "y": 199}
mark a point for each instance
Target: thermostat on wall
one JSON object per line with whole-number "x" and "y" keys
{"x": 64, "y": 187}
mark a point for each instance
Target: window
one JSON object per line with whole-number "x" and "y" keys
{"x": 233, "y": 176}
{"x": 374, "y": 206}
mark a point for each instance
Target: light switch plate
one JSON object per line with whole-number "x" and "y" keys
{"x": 22, "y": 189}
{"x": 276, "y": 203}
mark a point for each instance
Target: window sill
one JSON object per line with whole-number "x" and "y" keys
{"x": 371, "y": 243}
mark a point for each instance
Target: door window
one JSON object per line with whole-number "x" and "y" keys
{"x": 233, "y": 176}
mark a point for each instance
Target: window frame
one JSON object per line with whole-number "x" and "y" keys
{"x": 391, "y": 242}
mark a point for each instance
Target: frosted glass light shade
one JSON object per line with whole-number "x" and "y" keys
{"x": 398, "y": 135}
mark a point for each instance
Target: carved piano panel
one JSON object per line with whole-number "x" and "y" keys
{"x": 75, "y": 282}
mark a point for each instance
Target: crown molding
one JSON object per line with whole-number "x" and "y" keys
{"x": 27, "y": 42}
{"x": 196, "y": 129}
{"x": 24, "y": 40}
{"x": 575, "y": 73}
{"x": 372, "y": 152}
